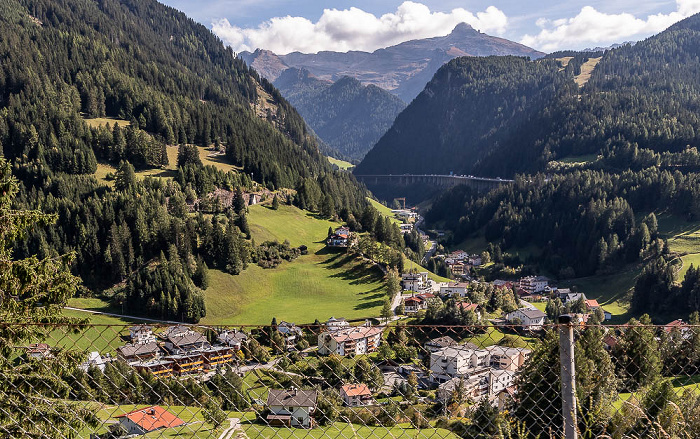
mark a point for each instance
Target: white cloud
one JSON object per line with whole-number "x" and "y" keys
{"x": 355, "y": 29}
{"x": 591, "y": 27}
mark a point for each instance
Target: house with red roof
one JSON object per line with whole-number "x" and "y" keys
{"x": 355, "y": 395}
{"x": 413, "y": 304}
{"x": 148, "y": 419}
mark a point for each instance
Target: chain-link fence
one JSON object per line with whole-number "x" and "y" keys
{"x": 337, "y": 380}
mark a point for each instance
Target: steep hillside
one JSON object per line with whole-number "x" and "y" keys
{"x": 403, "y": 69}
{"x": 157, "y": 79}
{"x": 499, "y": 116}
{"x": 348, "y": 116}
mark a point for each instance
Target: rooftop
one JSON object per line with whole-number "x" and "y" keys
{"x": 153, "y": 418}
{"x": 356, "y": 389}
{"x": 293, "y": 398}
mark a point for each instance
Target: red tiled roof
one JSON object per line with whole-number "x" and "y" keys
{"x": 153, "y": 418}
{"x": 592, "y": 303}
{"x": 413, "y": 299}
{"x": 674, "y": 324}
{"x": 356, "y": 389}
{"x": 355, "y": 333}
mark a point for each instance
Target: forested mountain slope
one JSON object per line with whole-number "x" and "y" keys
{"x": 348, "y": 116}
{"x": 499, "y": 116}
{"x": 174, "y": 82}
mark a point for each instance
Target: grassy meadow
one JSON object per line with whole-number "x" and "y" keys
{"x": 342, "y": 164}
{"x": 321, "y": 284}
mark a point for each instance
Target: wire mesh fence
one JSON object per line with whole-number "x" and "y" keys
{"x": 340, "y": 381}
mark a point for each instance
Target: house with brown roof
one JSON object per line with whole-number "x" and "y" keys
{"x": 356, "y": 395}
{"x": 350, "y": 341}
{"x": 413, "y": 304}
{"x": 148, "y": 419}
{"x": 291, "y": 408}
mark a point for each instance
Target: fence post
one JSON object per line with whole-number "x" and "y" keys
{"x": 568, "y": 375}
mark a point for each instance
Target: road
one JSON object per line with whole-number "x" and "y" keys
{"x": 234, "y": 424}
{"x": 122, "y": 316}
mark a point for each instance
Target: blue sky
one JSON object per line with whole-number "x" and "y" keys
{"x": 310, "y": 26}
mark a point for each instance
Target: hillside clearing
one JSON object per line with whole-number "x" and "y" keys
{"x": 586, "y": 70}
{"x": 342, "y": 164}
{"x": 319, "y": 285}
{"x": 97, "y": 122}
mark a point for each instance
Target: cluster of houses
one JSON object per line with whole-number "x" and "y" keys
{"x": 178, "y": 351}
{"x": 468, "y": 372}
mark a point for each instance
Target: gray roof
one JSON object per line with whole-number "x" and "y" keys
{"x": 134, "y": 350}
{"x": 442, "y": 342}
{"x": 532, "y": 313}
{"x": 177, "y": 329}
{"x": 293, "y": 398}
{"x": 187, "y": 339}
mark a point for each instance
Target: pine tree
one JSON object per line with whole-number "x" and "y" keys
{"x": 275, "y": 203}
{"x": 32, "y": 290}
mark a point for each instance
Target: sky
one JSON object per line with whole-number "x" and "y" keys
{"x": 284, "y": 26}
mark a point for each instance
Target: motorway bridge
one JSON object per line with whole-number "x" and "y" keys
{"x": 481, "y": 184}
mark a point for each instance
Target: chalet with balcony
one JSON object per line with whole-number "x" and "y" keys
{"x": 350, "y": 341}
{"x": 158, "y": 368}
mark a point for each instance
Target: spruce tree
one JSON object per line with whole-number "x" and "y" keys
{"x": 33, "y": 291}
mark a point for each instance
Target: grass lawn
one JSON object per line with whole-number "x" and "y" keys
{"x": 105, "y": 339}
{"x": 318, "y": 285}
{"x": 587, "y": 158}
{"x": 383, "y": 210}
{"x": 342, "y": 164}
{"x": 102, "y": 121}
{"x": 207, "y": 156}
{"x": 342, "y": 430}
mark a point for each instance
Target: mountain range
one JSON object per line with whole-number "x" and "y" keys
{"x": 403, "y": 69}
{"x": 348, "y": 116}
{"x": 498, "y": 116}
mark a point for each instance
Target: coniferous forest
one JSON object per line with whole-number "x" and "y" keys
{"x": 176, "y": 84}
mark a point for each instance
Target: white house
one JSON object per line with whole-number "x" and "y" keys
{"x": 454, "y": 289}
{"x": 414, "y": 281}
{"x": 141, "y": 334}
{"x": 475, "y": 387}
{"x": 456, "y": 361}
{"x": 334, "y": 324}
{"x": 350, "y": 341}
{"x": 413, "y": 304}
{"x": 534, "y": 284}
{"x": 499, "y": 380}
{"x": 506, "y": 358}
{"x": 233, "y": 338}
{"x": 96, "y": 360}
{"x": 39, "y": 351}
{"x": 356, "y": 395}
{"x": 291, "y": 408}
{"x": 531, "y": 319}
{"x": 290, "y": 332}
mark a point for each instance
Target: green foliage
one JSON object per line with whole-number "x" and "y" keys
{"x": 347, "y": 115}
{"x": 33, "y": 290}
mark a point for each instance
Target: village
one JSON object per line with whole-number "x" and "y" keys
{"x": 401, "y": 364}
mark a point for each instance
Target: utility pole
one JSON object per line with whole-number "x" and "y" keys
{"x": 568, "y": 375}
